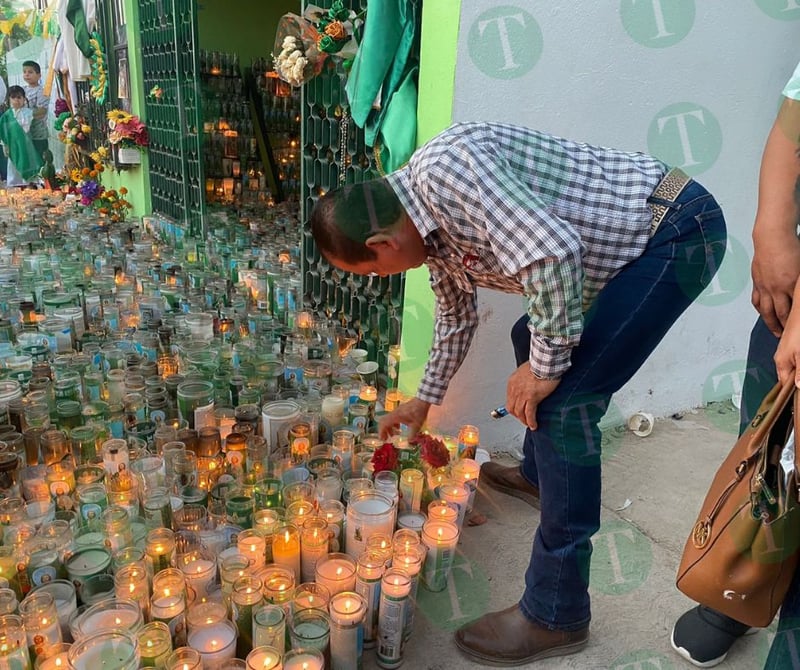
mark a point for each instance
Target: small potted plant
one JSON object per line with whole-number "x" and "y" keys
{"x": 127, "y": 136}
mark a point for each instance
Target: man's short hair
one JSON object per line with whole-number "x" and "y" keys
{"x": 345, "y": 218}
{"x": 32, "y": 63}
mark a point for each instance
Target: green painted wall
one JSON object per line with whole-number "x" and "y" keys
{"x": 136, "y": 180}
{"x": 244, "y": 26}
{"x": 434, "y": 113}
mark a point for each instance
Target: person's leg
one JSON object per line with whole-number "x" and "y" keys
{"x": 521, "y": 341}
{"x": 626, "y": 322}
{"x": 703, "y": 635}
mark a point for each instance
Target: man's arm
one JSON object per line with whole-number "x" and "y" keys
{"x": 776, "y": 259}
{"x": 456, "y": 318}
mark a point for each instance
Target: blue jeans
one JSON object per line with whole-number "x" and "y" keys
{"x": 629, "y": 317}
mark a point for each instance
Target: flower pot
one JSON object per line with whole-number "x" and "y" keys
{"x": 127, "y": 156}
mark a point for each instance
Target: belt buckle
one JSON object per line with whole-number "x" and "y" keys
{"x": 669, "y": 188}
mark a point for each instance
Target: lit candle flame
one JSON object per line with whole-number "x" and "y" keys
{"x": 347, "y": 605}
{"x": 339, "y": 572}
{"x": 58, "y": 662}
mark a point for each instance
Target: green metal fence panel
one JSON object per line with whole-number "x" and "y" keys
{"x": 170, "y": 61}
{"x": 372, "y": 306}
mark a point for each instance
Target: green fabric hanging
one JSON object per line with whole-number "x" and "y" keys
{"x": 77, "y": 18}
{"x": 386, "y": 63}
{"x": 21, "y": 151}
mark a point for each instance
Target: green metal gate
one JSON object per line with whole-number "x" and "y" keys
{"x": 170, "y": 61}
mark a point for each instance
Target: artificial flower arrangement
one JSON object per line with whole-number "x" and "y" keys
{"x": 303, "y": 43}
{"x": 72, "y": 128}
{"x": 126, "y": 131}
{"x": 424, "y": 452}
{"x": 90, "y": 193}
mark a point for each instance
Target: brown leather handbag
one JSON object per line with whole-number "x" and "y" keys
{"x": 743, "y": 550}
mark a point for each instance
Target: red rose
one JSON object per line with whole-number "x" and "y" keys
{"x": 384, "y": 458}
{"x": 432, "y": 451}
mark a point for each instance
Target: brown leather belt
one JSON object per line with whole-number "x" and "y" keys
{"x": 669, "y": 188}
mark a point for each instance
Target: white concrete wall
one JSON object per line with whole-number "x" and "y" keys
{"x": 695, "y": 82}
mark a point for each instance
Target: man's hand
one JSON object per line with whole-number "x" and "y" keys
{"x": 787, "y": 356}
{"x": 411, "y": 414}
{"x": 775, "y": 269}
{"x": 524, "y": 393}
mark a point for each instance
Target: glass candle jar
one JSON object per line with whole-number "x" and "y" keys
{"x": 116, "y": 649}
{"x": 168, "y": 603}
{"x": 264, "y": 658}
{"x": 63, "y": 592}
{"x": 117, "y": 526}
{"x": 83, "y": 440}
{"x": 107, "y": 615}
{"x": 347, "y": 612}
{"x": 253, "y": 544}
{"x": 215, "y": 642}
{"x": 40, "y": 617}
{"x": 395, "y": 590}
{"x": 157, "y": 506}
{"x": 199, "y": 570}
{"x": 184, "y": 658}
{"x": 13, "y": 643}
{"x": 155, "y": 644}
{"x": 310, "y": 629}
{"x": 368, "y": 513}
{"x": 279, "y": 583}
{"x": 53, "y": 445}
{"x": 246, "y": 595}
{"x": 132, "y": 581}
{"x": 196, "y": 403}
{"x": 269, "y": 627}
{"x": 314, "y": 541}
{"x": 160, "y": 548}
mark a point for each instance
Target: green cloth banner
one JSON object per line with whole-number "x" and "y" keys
{"x": 21, "y": 151}
{"x": 77, "y": 17}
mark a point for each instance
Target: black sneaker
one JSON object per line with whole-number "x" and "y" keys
{"x": 703, "y": 636}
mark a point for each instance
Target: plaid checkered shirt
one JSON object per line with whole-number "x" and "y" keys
{"x": 519, "y": 211}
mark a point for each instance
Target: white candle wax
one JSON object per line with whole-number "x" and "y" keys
{"x": 440, "y": 537}
{"x": 109, "y": 619}
{"x": 114, "y": 653}
{"x": 303, "y": 662}
{"x": 263, "y": 659}
{"x": 56, "y": 662}
{"x": 199, "y": 575}
{"x": 166, "y": 607}
{"x": 255, "y": 548}
{"x": 215, "y": 643}
{"x": 458, "y": 495}
{"x": 347, "y": 611}
{"x": 336, "y": 574}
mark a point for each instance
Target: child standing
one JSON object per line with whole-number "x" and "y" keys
{"x": 38, "y": 102}
{"x": 23, "y": 161}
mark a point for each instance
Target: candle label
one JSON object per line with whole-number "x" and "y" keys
{"x": 437, "y": 565}
{"x": 204, "y": 416}
{"x": 59, "y": 489}
{"x": 408, "y": 624}
{"x": 391, "y": 620}
{"x": 177, "y": 629}
{"x": 370, "y": 591}
{"x": 43, "y": 575}
{"x": 347, "y": 647}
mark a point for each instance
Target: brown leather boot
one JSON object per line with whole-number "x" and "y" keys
{"x": 507, "y": 638}
{"x": 509, "y": 480}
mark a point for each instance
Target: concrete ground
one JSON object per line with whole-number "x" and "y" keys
{"x": 652, "y": 490}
